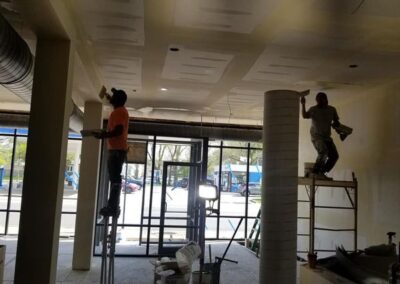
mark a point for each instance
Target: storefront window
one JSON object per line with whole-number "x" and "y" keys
{"x": 6, "y": 150}
{"x": 13, "y": 145}
{"x": 239, "y": 172}
{"x": 18, "y": 172}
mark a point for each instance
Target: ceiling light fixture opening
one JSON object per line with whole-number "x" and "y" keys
{"x": 164, "y": 89}
{"x": 353, "y": 66}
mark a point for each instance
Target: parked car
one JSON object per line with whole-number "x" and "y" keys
{"x": 130, "y": 186}
{"x": 182, "y": 183}
{"x": 254, "y": 189}
{"x": 135, "y": 181}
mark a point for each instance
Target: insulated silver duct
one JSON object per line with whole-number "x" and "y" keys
{"x": 14, "y": 120}
{"x": 21, "y": 120}
{"x": 16, "y": 69}
{"x": 76, "y": 119}
{"x": 16, "y": 62}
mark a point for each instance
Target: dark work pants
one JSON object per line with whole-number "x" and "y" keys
{"x": 116, "y": 159}
{"x": 327, "y": 156}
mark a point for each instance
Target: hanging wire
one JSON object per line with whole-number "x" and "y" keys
{"x": 358, "y": 7}
{"x": 230, "y": 109}
{"x": 201, "y": 125}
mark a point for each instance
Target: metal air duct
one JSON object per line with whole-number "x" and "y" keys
{"x": 16, "y": 62}
{"x": 16, "y": 69}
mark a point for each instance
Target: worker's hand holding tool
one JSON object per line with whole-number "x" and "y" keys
{"x": 303, "y": 96}
{"x": 103, "y": 94}
{"x": 99, "y": 134}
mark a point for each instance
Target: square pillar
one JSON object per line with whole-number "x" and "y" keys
{"x": 87, "y": 193}
{"x": 51, "y": 104}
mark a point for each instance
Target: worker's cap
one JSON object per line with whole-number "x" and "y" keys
{"x": 119, "y": 96}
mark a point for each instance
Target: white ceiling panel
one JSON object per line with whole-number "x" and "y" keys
{"x": 386, "y": 8}
{"x": 195, "y": 65}
{"x": 241, "y": 102}
{"x": 283, "y": 64}
{"x": 338, "y": 6}
{"x": 188, "y": 96}
{"x": 114, "y": 21}
{"x": 117, "y": 72}
{"x": 222, "y": 15}
{"x": 373, "y": 67}
{"x": 298, "y": 39}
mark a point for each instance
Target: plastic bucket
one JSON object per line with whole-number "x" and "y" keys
{"x": 186, "y": 255}
{"x": 206, "y": 277}
{"x": 308, "y": 169}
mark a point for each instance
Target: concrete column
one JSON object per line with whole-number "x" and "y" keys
{"x": 279, "y": 195}
{"x": 87, "y": 193}
{"x": 39, "y": 225}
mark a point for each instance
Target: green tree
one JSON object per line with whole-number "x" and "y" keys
{"x": 6, "y": 145}
{"x": 70, "y": 159}
{"x": 4, "y": 158}
{"x": 20, "y": 151}
{"x": 175, "y": 152}
{"x": 213, "y": 160}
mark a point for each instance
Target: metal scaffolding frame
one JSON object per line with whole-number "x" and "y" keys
{"x": 311, "y": 185}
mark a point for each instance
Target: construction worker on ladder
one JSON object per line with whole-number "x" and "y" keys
{"x": 117, "y": 136}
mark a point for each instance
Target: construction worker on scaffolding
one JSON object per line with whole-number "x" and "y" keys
{"x": 117, "y": 136}
{"x": 323, "y": 117}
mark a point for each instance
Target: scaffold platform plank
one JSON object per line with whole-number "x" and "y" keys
{"x": 327, "y": 183}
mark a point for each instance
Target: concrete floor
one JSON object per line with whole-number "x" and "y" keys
{"x": 138, "y": 270}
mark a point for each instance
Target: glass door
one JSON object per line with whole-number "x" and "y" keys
{"x": 179, "y": 206}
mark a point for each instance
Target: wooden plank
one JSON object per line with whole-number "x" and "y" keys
{"x": 327, "y": 183}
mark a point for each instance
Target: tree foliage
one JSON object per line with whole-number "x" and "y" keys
{"x": 6, "y": 144}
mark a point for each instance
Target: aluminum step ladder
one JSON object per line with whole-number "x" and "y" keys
{"x": 108, "y": 248}
{"x": 254, "y": 236}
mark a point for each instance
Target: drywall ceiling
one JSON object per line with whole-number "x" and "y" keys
{"x": 212, "y": 60}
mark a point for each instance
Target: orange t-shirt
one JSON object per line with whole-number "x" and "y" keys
{"x": 119, "y": 116}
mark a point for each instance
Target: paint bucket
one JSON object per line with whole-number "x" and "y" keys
{"x": 308, "y": 169}
{"x": 206, "y": 277}
{"x": 186, "y": 255}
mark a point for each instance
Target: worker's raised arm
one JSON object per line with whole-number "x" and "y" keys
{"x": 304, "y": 113}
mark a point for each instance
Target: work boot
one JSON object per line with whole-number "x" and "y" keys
{"x": 108, "y": 211}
